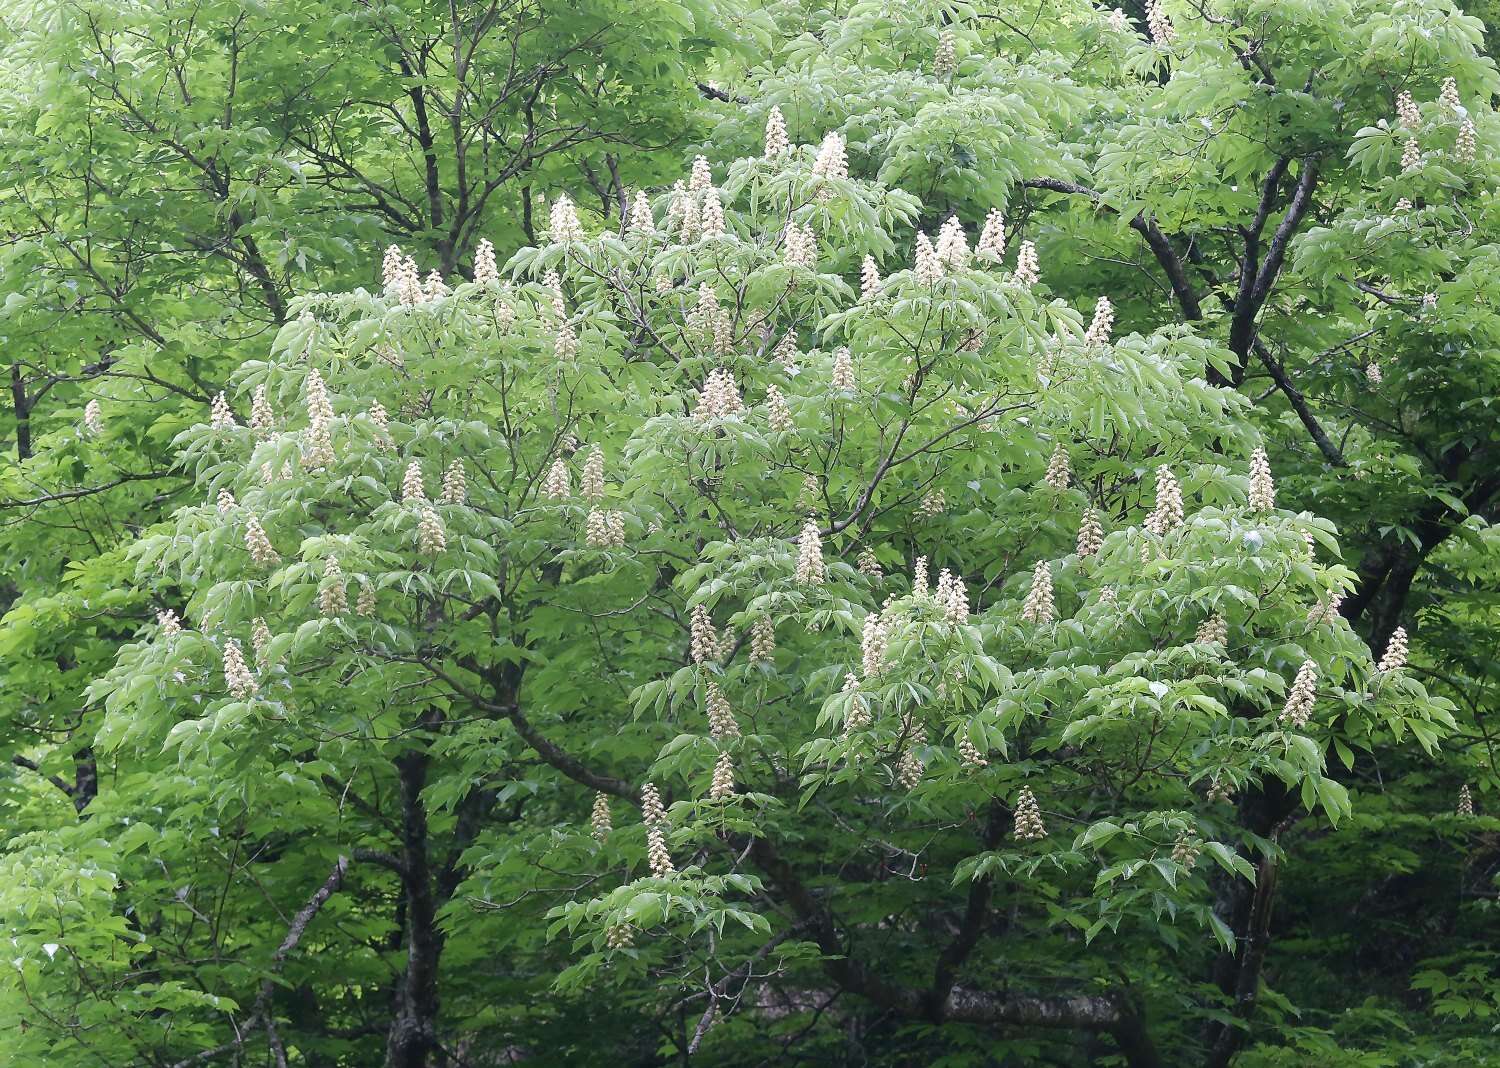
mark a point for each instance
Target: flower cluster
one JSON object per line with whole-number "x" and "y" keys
{"x": 1028, "y": 267}
{"x": 455, "y": 484}
{"x": 874, "y": 642}
{"x": 704, "y": 639}
{"x": 1029, "y": 827}
{"x": 777, "y": 143}
{"x": 991, "y": 246}
{"x": 1160, "y": 24}
{"x": 1039, "y": 606}
{"x": 333, "y": 598}
{"x": 1168, "y": 513}
{"x": 655, "y": 818}
{"x": 1059, "y": 471}
{"x": 1103, "y": 322}
{"x": 762, "y": 641}
{"x": 1299, "y": 702}
{"x": 810, "y": 568}
{"x": 842, "y": 379}
{"x": 599, "y": 819}
{"x": 237, "y": 677}
{"x": 1212, "y": 630}
{"x": 945, "y": 59}
{"x": 1396, "y": 650}
{"x": 1090, "y": 534}
{"x": 432, "y": 539}
{"x": 719, "y": 398}
{"x": 1262, "y": 487}
{"x": 722, "y": 786}
{"x": 262, "y": 554}
{"x": 952, "y": 597}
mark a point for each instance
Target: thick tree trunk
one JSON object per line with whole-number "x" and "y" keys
{"x": 412, "y": 1039}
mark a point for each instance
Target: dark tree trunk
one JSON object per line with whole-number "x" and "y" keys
{"x": 412, "y": 1039}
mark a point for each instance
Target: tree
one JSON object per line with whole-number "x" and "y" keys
{"x": 929, "y": 627}
{"x": 1303, "y": 184}
{"x": 174, "y": 175}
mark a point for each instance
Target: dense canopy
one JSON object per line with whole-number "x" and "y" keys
{"x": 748, "y": 533}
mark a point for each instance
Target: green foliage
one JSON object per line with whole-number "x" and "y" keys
{"x": 308, "y": 702}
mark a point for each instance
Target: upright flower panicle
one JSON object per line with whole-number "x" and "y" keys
{"x": 486, "y": 271}
{"x": 952, "y": 243}
{"x": 1028, "y": 267}
{"x": 712, "y": 216}
{"x": 869, "y": 564}
{"x": 390, "y": 266}
{"x": 1029, "y": 826}
{"x": 762, "y": 641}
{"x": 260, "y": 641}
{"x": 655, "y": 818}
{"x": 93, "y": 419}
{"x": 409, "y": 284}
{"x": 1168, "y": 513}
{"x": 556, "y": 485}
{"x": 412, "y": 488}
{"x": 600, "y": 820}
{"x": 874, "y": 641}
{"x": 945, "y": 59}
{"x": 1160, "y": 24}
{"x": 642, "y": 222}
{"x": 801, "y": 246}
{"x": 220, "y": 416}
{"x": 1090, "y": 535}
{"x": 1039, "y": 606}
{"x": 563, "y": 219}
{"x": 1406, "y": 110}
{"x": 1262, "y": 486}
{"x": 1448, "y": 95}
{"x": 701, "y": 179}
{"x": 719, "y": 398}
{"x": 237, "y": 677}
{"x": 1059, "y": 470}
{"x": 1299, "y": 701}
{"x": 364, "y": 604}
{"x": 703, "y": 638}
{"x": 952, "y": 597}
{"x": 991, "y": 246}
{"x": 1411, "y": 155}
{"x": 262, "y": 554}
{"x": 1465, "y": 801}
{"x": 857, "y": 717}
{"x": 225, "y": 502}
{"x": 1212, "y": 630}
{"x": 434, "y": 288}
{"x": 929, "y": 268}
{"x": 455, "y": 483}
{"x": 262, "y": 418}
{"x": 167, "y": 620}
{"x": 810, "y": 567}
{"x": 1101, "y": 325}
{"x": 721, "y": 721}
{"x": 777, "y": 142}
{"x": 722, "y": 786}
{"x": 831, "y": 161}
{"x": 591, "y": 487}
{"x": 1396, "y": 651}
{"x": 333, "y": 598}
{"x": 919, "y": 578}
{"x": 1467, "y": 143}
{"x": 778, "y": 415}
{"x": 842, "y": 379}
{"x": 869, "y": 278}
{"x": 431, "y": 537}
